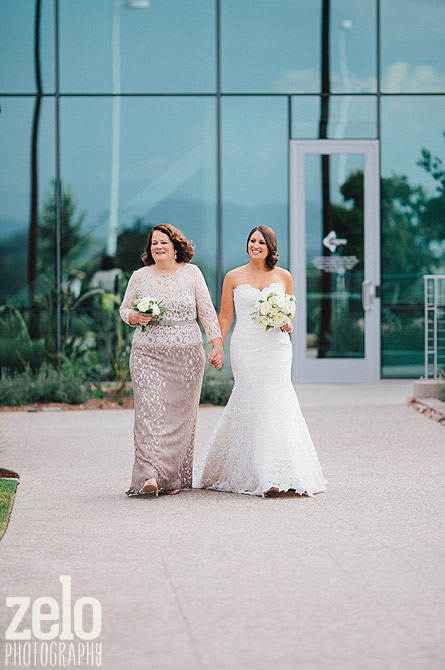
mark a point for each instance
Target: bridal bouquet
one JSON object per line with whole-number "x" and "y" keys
{"x": 274, "y": 309}
{"x": 149, "y": 305}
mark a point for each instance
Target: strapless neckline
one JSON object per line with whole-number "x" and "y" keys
{"x": 260, "y": 289}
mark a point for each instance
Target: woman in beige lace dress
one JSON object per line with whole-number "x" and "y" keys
{"x": 167, "y": 361}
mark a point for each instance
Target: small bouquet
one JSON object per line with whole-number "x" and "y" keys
{"x": 274, "y": 309}
{"x": 149, "y": 305}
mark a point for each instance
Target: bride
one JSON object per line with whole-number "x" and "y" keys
{"x": 261, "y": 444}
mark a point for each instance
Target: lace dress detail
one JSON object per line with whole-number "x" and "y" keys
{"x": 185, "y": 296}
{"x": 167, "y": 365}
{"x": 261, "y": 440}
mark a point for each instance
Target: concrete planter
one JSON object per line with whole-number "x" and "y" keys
{"x": 428, "y": 388}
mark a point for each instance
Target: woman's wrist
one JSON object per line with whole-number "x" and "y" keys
{"x": 217, "y": 343}
{"x": 133, "y": 318}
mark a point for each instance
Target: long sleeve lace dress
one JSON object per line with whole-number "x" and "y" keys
{"x": 167, "y": 365}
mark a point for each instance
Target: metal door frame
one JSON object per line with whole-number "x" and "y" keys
{"x": 365, "y": 369}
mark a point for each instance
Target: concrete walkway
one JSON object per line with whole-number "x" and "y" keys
{"x": 352, "y": 579}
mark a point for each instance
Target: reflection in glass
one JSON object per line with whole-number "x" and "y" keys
{"x": 335, "y": 257}
{"x": 353, "y": 41}
{"x": 350, "y": 117}
{"x": 22, "y": 242}
{"x": 270, "y": 46}
{"x": 15, "y": 192}
{"x": 18, "y": 32}
{"x": 157, "y": 54}
{"x": 167, "y": 173}
{"x": 254, "y": 174}
{"x": 403, "y": 336}
{"x": 412, "y": 46}
{"x": 275, "y": 46}
{"x": 413, "y": 223}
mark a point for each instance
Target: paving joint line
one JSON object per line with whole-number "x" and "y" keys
{"x": 383, "y": 544}
{"x": 376, "y": 600}
{"x": 193, "y": 641}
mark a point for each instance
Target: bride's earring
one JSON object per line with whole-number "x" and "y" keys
{"x": 176, "y": 255}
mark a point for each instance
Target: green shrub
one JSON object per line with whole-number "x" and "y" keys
{"x": 96, "y": 391}
{"x": 46, "y": 385}
{"x": 16, "y": 355}
{"x": 442, "y": 394}
{"x": 7, "y": 493}
{"x": 216, "y": 387}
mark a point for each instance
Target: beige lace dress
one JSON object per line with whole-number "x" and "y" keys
{"x": 167, "y": 365}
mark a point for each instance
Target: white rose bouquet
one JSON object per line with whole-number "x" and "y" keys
{"x": 149, "y": 305}
{"x": 274, "y": 309}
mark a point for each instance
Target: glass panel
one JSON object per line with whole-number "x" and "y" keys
{"x": 353, "y": 40}
{"x": 167, "y": 173}
{"x": 403, "y": 336}
{"x": 17, "y": 39}
{"x": 412, "y": 46}
{"x": 270, "y": 46}
{"x": 305, "y": 117}
{"x": 413, "y": 219}
{"x": 334, "y": 255}
{"x": 275, "y": 46}
{"x": 254, "y": 174}
{"x": 163, "y": 47}
{"x": 24, "y": 242}
{"x": 16, "y": 125}
{"x": 350, "y": 117}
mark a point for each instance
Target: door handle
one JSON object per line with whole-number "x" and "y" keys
{"x": 368, "y": 294}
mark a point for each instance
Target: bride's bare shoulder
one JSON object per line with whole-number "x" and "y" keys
{"x": 234, "y": 276}
{"x": 282, "y": 273}
{"x": 285, "y": 277}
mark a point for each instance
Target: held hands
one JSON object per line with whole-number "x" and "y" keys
{"x": 216, "y": 356}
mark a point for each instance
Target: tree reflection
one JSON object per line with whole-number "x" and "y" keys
{"x": 74, "y": 242}
{"x": 413, "y": 233}
{"x": 413, "y": 227}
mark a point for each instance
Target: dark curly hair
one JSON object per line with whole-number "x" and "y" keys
{"x": 183, "y": 247}
{"x": 271, "y": 241}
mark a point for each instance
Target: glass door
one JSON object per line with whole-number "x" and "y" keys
{"x": 335, "y": 244}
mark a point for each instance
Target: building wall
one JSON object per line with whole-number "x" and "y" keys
{"x": 210, "y": 94}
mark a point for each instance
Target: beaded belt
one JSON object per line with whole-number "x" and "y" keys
{"x": 169, "y": 322}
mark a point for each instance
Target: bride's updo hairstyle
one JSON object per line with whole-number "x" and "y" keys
{"x": 183, "y": 246}
{"x": 271, "y": 241}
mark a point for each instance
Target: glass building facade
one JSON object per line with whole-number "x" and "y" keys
{"x": 117, "y": 116}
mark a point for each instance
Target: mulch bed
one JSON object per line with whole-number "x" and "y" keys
{"x": 92, "y": 403}
{"x": 8, "y": 474}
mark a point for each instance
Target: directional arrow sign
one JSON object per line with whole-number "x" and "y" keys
{"x": 331, "y": 241}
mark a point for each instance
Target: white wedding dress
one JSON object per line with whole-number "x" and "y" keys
{"x": 261, "y": 440}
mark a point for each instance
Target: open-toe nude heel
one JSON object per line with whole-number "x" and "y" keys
{"x": 150, "y": 486}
